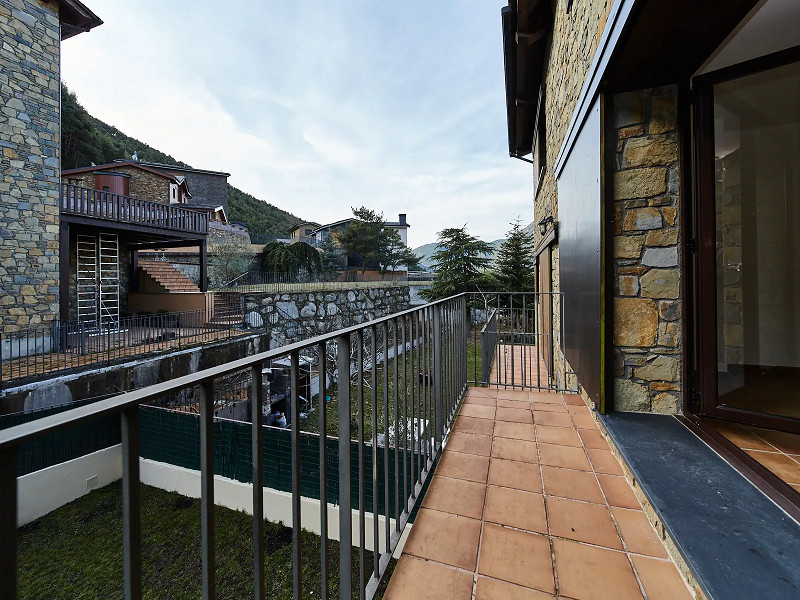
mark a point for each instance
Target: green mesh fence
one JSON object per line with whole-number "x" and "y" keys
{"x": 174, "y": 438}
{"x": 63, "y": 445}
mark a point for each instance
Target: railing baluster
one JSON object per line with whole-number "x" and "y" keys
{"x": 386, "y": 493}
{"x": 375, "y": 491}
{"x": 131, "y": 505}
{"x": 362, "y": 537}
{"x": 8, "y": 523}
{"x": 207, "y": 488}
{"x": 437, "y": 376}
{"x": 257, "y": 437}
{"x": 397, "y": 510}
{"x": 297, "y": 584}
{"x": 323, "y": 474}
{"x": 345, "y": 513}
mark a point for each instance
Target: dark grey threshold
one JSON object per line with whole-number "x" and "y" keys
{"x": 736, "y": 541}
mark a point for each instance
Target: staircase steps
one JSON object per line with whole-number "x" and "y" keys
{"x": 168, "y": 277}
{"x": 227, "y": 309}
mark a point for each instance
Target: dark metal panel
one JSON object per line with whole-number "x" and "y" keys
{"x": 580, "y": 230}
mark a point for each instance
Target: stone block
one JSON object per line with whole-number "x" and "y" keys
{"x": 670, "y": 213}
{"x": 663, "y": 386}
{"x": 663, "y": 115}
{"x": 669, "y": 311}
{"x": 629, "y": 132}
{"x": 661, "y": 283}
{"x": 650, "y": 152}
{"x": 662, "y": 237}
{"x": 669, "y": 335}
{"x": 628, "y": 109}
{"x": 640, "y": 183}
{"x": 660, "y": 257}
{"x": 665, "y": 404}
{"x": 628, "y": 285}
{"x": 643, "y": 219}
{"x": 663, "y": 368}
{"x": 628, "y": 246}
{"x": 630, "y": 396}
{"x": 635, "y": 322}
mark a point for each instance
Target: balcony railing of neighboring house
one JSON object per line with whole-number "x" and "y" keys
{"x": 99, "y": 204}
{"x": 276, "y": 282}
{"x": 64, "y": 345}
{"x": 421, "y": 275}
{"x": 430, "y": 340}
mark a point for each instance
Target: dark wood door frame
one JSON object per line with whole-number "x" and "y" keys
{"x": 703, "y": 392}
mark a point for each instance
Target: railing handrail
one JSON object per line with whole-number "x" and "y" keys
{"x": 18, "y": 434}
{"x": 176, "y": 217}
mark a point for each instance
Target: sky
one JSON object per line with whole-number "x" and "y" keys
{"x": 318, "y": 106}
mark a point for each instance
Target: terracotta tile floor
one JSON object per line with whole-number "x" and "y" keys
{"x": 776, "y": 450}
{"x": 528, "y": 502}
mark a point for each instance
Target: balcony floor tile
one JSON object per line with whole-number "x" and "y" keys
{"x": 506, "y": 492}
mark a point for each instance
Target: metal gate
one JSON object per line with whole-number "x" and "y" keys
{"x": 98, "y": 279}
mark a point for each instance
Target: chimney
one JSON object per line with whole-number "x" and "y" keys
{"x": 402, "y": 219}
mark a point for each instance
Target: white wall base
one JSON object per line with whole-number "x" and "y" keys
{"x": 44, "y": 491}
{"x": 277, "y": 505}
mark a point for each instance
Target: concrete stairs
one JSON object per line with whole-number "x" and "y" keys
{"x": 227, "y": 310}
{"x": 167, "y": 277}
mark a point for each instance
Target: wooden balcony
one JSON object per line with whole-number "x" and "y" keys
{"x": 87, "y": 203}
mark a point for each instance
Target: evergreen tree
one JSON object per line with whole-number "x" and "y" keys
{"x": 362, "y": 237}
{"x": 294, "y": 259}
{"x": 459, "y": 263}
{"x": 514, "y": 265}
{"x": 393, "y": 252}
{"x": 331, "y": 257}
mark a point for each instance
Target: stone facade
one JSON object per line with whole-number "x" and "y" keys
{"x": 29, "y": 160}
{"x": 297, "y": 316}
{"x": 646, "y": 252}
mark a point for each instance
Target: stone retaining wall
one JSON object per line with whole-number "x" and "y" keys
{"x": 297, "y": 316}
{"x": 647, "y": 309}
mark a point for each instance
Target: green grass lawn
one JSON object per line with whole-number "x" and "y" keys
{"x": 75, "y": 552}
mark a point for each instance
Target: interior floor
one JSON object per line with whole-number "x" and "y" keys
{"x": 773, "y": 391}
{"x": 778, "y": 451}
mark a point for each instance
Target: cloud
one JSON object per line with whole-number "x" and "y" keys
{"x": 318, "y": 106}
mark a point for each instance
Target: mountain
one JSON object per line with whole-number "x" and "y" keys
{"x": 86, "y": 140}
{"x": 426, "y": 251}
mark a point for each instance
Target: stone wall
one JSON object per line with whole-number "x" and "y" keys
{"x": 146, "y": 185}
{"x": 647, "y": 309}
{"x": 297, "y": 316}
{"x": 29, "y": 162}
{"x": 206, "y": 188}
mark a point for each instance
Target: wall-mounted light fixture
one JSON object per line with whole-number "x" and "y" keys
{"x": 544, "y": 223}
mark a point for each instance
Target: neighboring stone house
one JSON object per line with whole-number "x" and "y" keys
{"x": 665, "y": 151}
{"x": 30, "y": 123}
{"x": 133, "y": 179}
{"x": 209, "y": 188}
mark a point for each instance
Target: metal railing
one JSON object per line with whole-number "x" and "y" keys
{"x": 98, "y": 204}
{"x": 64, "y": 345}
{"x": 423, "y": 377}
{"x": 514, "y": 340}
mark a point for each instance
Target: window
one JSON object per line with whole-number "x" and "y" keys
{"x": 539, "y": 145}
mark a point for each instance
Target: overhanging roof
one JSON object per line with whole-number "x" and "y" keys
{"x": 526, "y": 28}
{"x": 76, "y": 18}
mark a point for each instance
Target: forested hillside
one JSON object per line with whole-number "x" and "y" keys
{"x": 269, "y": 221}
{"x": 86, "y": 140}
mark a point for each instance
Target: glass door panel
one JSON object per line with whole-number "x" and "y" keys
{"x": 757, "y": 230}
